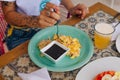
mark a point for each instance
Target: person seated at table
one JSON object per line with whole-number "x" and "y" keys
{"x": 26, "y": 17}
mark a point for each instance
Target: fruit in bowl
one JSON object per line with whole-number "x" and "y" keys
{"x": 108, "y": 75}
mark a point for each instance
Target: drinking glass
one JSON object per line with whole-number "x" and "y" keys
{"x": 103, "y": 34}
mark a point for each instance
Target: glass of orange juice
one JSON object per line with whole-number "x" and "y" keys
{"x": 102, "y": 35}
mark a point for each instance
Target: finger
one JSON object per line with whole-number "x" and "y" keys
{"x": 84, "y": 10}
{"x": 55, "y": 16}
{"x": 83, "y": 14}
{"x": 82, "y": 7}
{"x": 50, "y": 20}
{"x": 50, "y": 14}
{"x": 50, "y": 5}
{"x": 78, "y": 12}
{"x": 44, "y": 24}
{"x": 87, "y": 10}
{"x": 45, "y": 12}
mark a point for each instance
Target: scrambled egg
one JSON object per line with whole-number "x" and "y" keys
{"x": 72, "y": 43}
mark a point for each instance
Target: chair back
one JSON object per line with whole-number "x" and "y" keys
{"x": 3, "y": 26}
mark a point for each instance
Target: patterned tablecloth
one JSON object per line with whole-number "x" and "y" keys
{"x": 24, "y": 64}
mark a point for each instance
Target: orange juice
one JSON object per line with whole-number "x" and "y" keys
{"x": 102, "y": 36}
{"x": 101, "y": 41}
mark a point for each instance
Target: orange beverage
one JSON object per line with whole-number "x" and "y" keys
{"x": 102, "y": 36}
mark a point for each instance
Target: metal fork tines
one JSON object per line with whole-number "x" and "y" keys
{"x": 12, "y": 67}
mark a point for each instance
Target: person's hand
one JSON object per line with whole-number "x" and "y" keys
{"x": 49, "y": 15}
{"x": 80, "y": 10}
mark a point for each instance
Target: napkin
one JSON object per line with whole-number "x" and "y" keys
{"x": 116, "y": 32}
{"x": 41, "y": 74}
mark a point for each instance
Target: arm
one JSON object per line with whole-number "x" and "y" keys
{"x": 80, "y": 9}
{"x": 18, "y": 19}
{"x": 68, "y": 4}
{"x": 15, "y": 18}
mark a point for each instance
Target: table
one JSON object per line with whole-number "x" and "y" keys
{"x": 18, "y": 56}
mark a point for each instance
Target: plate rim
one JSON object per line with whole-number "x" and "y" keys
{"x": 117, "y": 40}
{"x": 100, "y": 59}
{"x": 88, "y": 57}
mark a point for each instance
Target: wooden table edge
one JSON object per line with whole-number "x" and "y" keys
{"x": 94, "y": 8}
{"x": 22, "y": 49}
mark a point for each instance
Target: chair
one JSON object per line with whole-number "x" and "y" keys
{"x": 3, "y": 25}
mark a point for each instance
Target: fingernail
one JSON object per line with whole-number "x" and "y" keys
{"x": 80, "y": 12}
{"x": 82, "y": 17}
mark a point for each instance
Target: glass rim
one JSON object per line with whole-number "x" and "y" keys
{"x": 104, "y": 33}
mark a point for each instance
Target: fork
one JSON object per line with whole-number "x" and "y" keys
{"x": 112, "y": 20}
{"x": 57, "y": 31}
{"x": 117, "y": 15}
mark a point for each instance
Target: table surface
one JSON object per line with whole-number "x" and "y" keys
{"x": 20, "y": 52}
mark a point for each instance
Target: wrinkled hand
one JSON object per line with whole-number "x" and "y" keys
{"x": 80, "y": 10}
{"x": 49, "y": 15}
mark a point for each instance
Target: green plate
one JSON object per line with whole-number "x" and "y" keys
{"x": 66, "y": 64}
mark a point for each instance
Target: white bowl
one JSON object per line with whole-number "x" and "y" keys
{"x": 55, "y": 51}
{"x": 118, "y": 43}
